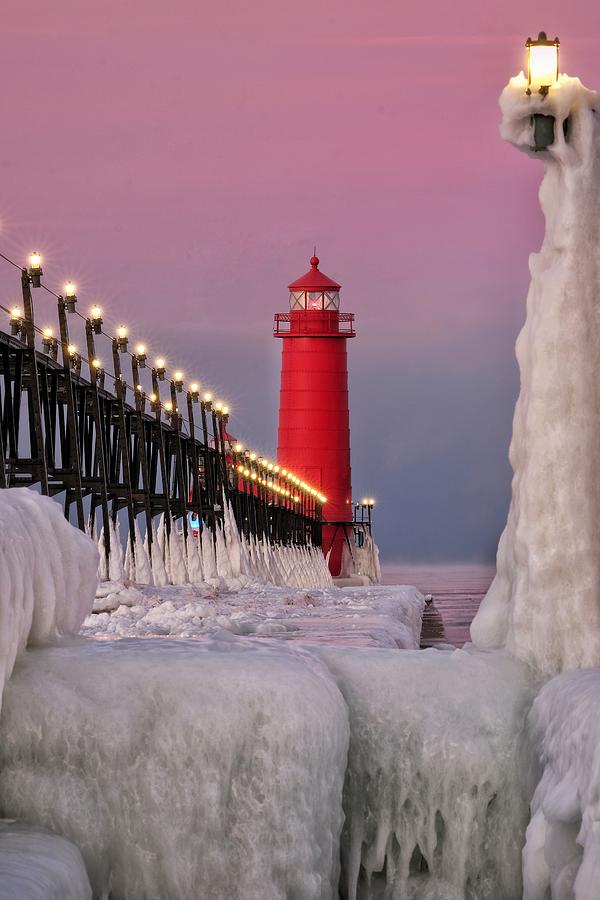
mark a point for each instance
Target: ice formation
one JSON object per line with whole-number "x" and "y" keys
{"x": 384, "y": 616}
{"x": 222, "y": 558}
{"x": 181, "y": 769}
{"x": 47, "y": 573}
{"x": 362, "y": 560}
{"x": 544, "y": 605}
{"x": 439, "y": 773}
{"x": 562, "y": 854}
{"x": 39, "y": 866}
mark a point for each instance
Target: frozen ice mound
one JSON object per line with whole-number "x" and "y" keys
{"x": 39, "y": 866}
{"x": 182, "y": 769}
{"x": 544, "y": 603}
{"x": 562, "y": 854}
{"x": 439, "y": 773}
{"x": 47, "y": 574}
{"x": 387, "y": 616}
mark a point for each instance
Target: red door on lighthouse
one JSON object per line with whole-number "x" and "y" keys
{"x": 314, "y": 422}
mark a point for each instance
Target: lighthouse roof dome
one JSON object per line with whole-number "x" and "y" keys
{"x": 314, "y": 280}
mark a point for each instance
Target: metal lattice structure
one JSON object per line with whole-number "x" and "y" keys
{"x": 74, "y": 430}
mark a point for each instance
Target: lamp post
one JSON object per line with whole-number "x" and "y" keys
{"x": 542, "y": 75}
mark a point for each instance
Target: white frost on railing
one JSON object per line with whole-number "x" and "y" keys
{"x": 225, "y": 559}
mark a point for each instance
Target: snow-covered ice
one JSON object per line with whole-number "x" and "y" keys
{"x": 544, "y": 604}
{"x": 562, "y": 854}
{"x": 439, "y": 773}
{"x": 181, "y": 769}
{"x": 39, "y": 866}
{"x": 47, "y": 574}
{"x": 387, "y": 616}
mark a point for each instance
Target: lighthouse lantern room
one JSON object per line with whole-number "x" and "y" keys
{"x": 314, "y": 423}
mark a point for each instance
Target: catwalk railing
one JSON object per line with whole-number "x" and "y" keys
{"x": 70, "y": 426}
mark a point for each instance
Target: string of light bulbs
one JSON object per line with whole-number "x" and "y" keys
{"x": 95, "y": 319}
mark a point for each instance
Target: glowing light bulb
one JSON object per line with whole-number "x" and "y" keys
{"x": 96, "y": 312}
{"x": 194, "y": 387}
{"x": 218, "y": 406}
{"x": 225, "y": 410}
{"x": 169, "y": 406}
{"x": 48, "y": 332}
{"x": 96, "y": 364}
{"x": 140, "y": 349}
{"x": 72, "y": 349}
{"x": 69, "y": 290}
{"x": 253, "y": 456}
{"x": 178, "y": 376}
{"x": 35, "y": 260}
{"x": 542, "y": 63}
{"x": 239, "y": 448}
{"x": 16, "y": 313}
{"x": 207, "y": 397}
{"x": 122, "y": 331}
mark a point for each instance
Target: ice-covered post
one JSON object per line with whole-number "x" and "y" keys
{"x": 544, "y": 604}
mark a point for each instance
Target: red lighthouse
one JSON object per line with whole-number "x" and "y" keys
{"x": 314, "y": 422}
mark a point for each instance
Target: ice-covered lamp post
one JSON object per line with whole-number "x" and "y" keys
{"x": 542, "y": 74}
{"x": 544, "y": 604}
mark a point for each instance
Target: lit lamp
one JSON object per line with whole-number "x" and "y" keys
{"x": 207, "y": 400}
{"x": 542, "y": 63}
{"x": 225, "y": 414}
{"x": 96, "y": 319}
{"x": 218, "y": 407}
{"x": 16, "y": 321}
{"x": 122, "y": 338}
{"x": 74, "y": 357}
{"x": 140, "y": 355}
{"x": 35, "y": 268}
{"x": 154, "y": 402}
{"x": 195, "y": 391}
{"x": 178, "y": 381}
{"x": 160, "y": 368}
{"x": 70, "y": 293}
{"x": 49, "y": 342}
{"x": 542, "y": 74}
{"x": 98, "y": 371}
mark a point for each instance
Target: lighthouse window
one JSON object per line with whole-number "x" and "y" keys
{"x": 315, "y": 300}
{"x": 297, "y": 300}
{"x": 332, "y": 300}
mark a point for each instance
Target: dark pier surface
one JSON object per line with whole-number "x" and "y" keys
{"x": 457, "y": 591}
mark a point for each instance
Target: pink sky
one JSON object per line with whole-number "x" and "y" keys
{"x": 181, "y": 159}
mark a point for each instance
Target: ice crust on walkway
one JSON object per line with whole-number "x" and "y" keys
{"x": 439, "y": 773}
{"x": 544, "y": 604}
{"x": 182, "y": 769}
{"x": 47, "y": 574}
{"x": 562, "y": 854}
{"x": 385, "y": 616}
{"x": 39, "y": 866}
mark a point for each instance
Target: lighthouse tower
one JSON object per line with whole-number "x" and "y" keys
{"x": 314, "y": 423}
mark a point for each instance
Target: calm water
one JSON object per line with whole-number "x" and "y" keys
{"x": 457, "y": 592}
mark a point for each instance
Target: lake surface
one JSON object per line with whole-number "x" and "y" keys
{"x": 457, "y": 592}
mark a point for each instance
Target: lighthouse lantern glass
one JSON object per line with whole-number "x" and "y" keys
{"x": 314, "y": 300}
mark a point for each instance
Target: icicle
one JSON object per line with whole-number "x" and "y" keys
{"x": 102, "y": 566}
{"x": 143, "y": 569}
{"x": 178, "y": 571}
{"x": 223, "y": 563}
{"x": 115, "y": 559}
{"x": 209, "y": 563}
{"x": 193, "y": 558}
{"x": 159, "y": 572}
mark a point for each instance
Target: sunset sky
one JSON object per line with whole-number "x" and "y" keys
{"x": 180, "y": 160}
